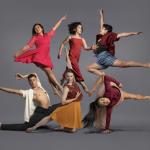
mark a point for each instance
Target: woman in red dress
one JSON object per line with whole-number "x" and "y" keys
{"x": 40, "y": 56}
{"x": 108, "y": 96}
{"x": 76, "y": 42}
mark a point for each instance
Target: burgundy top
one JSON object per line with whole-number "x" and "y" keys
{"x": 108, "y": 40}
{"x": 113, "y": 94}
{"x": 73, "y": 92}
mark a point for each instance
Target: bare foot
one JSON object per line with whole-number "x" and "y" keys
{"x": 0, "y": 125}
{"x": 85, "y": 89}
{"x": 62, "y": 81}
{"x": 90, "y": 93}
{"x": 148, "y": 65}
{"x": 29, "y": 130}
{"x": 103, "y": 74}
{"x": 56, "y": 93}
{"x": 60, "y": 127}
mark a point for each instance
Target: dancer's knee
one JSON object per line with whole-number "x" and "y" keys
{"x": 88, "y": 68}
{"x": 125, "y": 65}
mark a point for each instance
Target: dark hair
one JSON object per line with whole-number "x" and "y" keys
{"x": 33, "y": 29}
{"x": 73, "y": 26}
{"x": 90, "y": 118}
{"x": 70, "y": 71}
{"x": 108, "y": 27}
{"x": 31, "y": 75}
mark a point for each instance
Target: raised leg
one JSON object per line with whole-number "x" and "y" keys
{"x": 98, "y": 81}
{"x": 133, "y": 96}
{"x": 124, "y": 64}
{"x": 94, "y": 68}
{"x": 41, "y": 123}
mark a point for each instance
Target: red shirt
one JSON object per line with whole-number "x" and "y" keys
{"x": 108, "y": 40}
{"x": 113, "y": 94}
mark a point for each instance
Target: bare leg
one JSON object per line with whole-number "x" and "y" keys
{"x": 84, "y": 87}
{"x": 0, "y": 125}
{"x": 94, "y": 68}
{"x": 98, "y": 81}
{"x": 62, "y": 128}
{"x": 41, "y": 123}
{"x": 124, "y": 64}
{"x": 133, "y": 96}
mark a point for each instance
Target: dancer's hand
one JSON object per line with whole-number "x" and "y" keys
{"x": 15, "y": 56}
{"x": 94, "y": 46}
{"x": 106, "y": 131}
{"x": 101, "y": 11}
{"x": 136, "y": 33}
{"x": 59, "y": 55}
{"x": 19, "y": 76}
{"x": 64, "y": 17}
{"x": 78, "y": 93}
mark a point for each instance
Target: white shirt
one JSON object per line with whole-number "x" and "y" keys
{"x": 30, "y": 105}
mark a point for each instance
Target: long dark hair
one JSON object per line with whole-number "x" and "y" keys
{"x": 33, "y": 29}
{"x": 90, "y": 118}
{"x": 73, "y": 26}
{"x": 70, "y": 71}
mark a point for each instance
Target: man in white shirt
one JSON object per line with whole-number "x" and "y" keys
{"x": 37, "y": 103}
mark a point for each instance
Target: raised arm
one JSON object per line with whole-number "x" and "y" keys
{"x": 13, "y": 91}
{"x": 62, "y": 45}
{"x": 19, "y": 76}
{"x": 128, "y": 34}
{"x": 64, "y": 96}
{"x": 88, "y": 48}
{"x": 102, "y": 18}
{"x": 23, "y": 49}
{"x": 59, "y": 22}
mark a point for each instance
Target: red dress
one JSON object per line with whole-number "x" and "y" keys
{"x": 74, "y": 55}
{"x": 41, "y": 53}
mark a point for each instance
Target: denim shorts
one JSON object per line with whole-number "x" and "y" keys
{"x": 105, "y": 59}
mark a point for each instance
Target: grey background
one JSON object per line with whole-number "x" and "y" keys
{"x": 130, "y": 120}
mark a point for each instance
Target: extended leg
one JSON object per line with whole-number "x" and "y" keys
{"x": 133, "y": 96}
{"x": 62, "y": 128}
{"x": 41, "y": 123}
{"x": 98, "y": 81}
{"x": 124, "y": 64}
{"x": 94, "y": 68}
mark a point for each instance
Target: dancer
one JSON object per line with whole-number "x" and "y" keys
{"x": 68, "y": 115}
{"x": 106, "y": 50}
{"x": 76, "y": 42}
{"x": 108, "y": 96}
{"x": 40, "y": 56}
{"x": 37, "y": 103}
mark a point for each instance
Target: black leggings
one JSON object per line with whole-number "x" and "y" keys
{"x": 38, "y": 115}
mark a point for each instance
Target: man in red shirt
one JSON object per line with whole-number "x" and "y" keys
{"x": 106, "y": 50}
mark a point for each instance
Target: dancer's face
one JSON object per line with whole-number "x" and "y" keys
{"x": 38, "y": 29}
{"x": 69, "y": 77}
{"x": 103, "y": 101}
{"x": 103, "y": 31}
{"x": 33, "y": 82}
{"x": 79, "y": 29}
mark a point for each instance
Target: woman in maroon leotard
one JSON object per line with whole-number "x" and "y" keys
{"x": 108, "y": 96}
{"x": 76, "y": 42}
{"x": 40, "y": 56}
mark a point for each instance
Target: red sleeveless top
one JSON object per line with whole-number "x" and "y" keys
{"x": 73, "y": 92}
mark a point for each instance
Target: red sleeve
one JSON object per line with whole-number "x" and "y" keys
{"x": 32, "y": 41}
{"x": 108, "y": 78}
{"x": 113, "y": 37}
{"x": 51, "y": 33}
{"x": 108, "y": 118}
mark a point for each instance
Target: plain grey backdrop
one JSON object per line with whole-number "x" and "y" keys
{"x": 130, "y": 120}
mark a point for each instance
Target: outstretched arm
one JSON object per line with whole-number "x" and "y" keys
{"x": 59, "y": 22}
{"x": 64, "y": 96}
{"x": 13, "y": 91}
{"x": 128, "y": 34}
{"x": 19, "y": 76}
{"x": 23, "y": 49}
{"x": 88, "y": 48}
{"x": 62, "y": 45}
{"x": 102, "y": 18}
